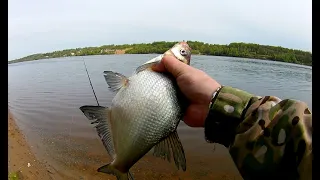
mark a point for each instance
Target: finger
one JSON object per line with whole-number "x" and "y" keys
{"x": 172, "y": 65}
{"x": 195, "y": 115}
{"x": 159, "y": 67}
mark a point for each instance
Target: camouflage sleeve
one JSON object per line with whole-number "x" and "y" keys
{"x": 267, "y": 137}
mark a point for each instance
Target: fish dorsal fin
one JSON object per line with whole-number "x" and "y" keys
{"x": 172, "y": 142}
{"x": 149, "y": 63}
{"x": 115, "y": 80}
{"x": 100, "y": 116}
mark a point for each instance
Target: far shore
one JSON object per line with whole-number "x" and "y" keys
{"x": 122, "y": 52}
{"x": 239, "y": 49}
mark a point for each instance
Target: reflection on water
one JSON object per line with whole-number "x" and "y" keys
{"x": 45, "y": 96}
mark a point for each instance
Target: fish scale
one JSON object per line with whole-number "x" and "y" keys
{"x": 148, "y": 120}
{"x": 144, "y": 114}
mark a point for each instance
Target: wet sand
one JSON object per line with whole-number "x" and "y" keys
{"x": 21, "y": 161}
{"x": 72, "y": 167}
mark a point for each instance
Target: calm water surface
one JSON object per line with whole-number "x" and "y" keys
{"x": 45, "y": 96}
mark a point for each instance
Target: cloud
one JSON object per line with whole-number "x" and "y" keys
{"x": 42, "y": 26}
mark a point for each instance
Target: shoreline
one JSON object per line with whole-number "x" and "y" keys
{"x": 22, "y": 163}
{"x": 122, "y": 53}
{"x": 234, "y": 49}
{"x": 20, "y": 154}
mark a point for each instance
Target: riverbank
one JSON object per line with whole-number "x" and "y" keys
{"x": 242, "y": 50}
{"x": 22, "y": 163}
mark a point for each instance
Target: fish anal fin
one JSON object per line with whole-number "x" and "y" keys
{"x": 162, "y": 150}
{"x": 171, "y": 144}
{"x": 100, "y": 117}
{"x": 115, "y": 80}
{"x": 109, "y": 169}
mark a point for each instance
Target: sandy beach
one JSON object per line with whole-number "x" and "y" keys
{"x": 22, "y": 163}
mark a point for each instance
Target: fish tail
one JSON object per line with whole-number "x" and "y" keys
{"x": 109, "y": 169}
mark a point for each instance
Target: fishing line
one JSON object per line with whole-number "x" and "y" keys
{"x": 84, "y": 62}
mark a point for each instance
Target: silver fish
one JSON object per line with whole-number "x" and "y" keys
{"x": 144, "y": 114}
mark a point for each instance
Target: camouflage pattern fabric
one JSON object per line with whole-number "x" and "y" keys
{"x": 271, "y": 138}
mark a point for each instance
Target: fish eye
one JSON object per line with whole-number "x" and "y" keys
{"x": 183, "y": 52}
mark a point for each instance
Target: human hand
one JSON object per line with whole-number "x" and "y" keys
{"x": 196, "y": 85}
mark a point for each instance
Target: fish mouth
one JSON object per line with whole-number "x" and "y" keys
{"x": 185, "y": 45}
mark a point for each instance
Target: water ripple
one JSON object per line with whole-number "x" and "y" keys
{"x": 45, "y": 96}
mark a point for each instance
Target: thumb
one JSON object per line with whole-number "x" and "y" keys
{"x": 172, "y": 65}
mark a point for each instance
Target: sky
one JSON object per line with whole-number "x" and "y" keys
{"x": 39, "y": 26}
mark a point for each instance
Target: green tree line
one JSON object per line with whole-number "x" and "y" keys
{"x": 245, "y": 50}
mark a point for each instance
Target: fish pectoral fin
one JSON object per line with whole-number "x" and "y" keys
{"x": 115, "y": 80}
{"x": 149, "y": 63}
{"x": 109, "y": 169}
{"x": 172, "y": 142}
{"x": 92, "y": 112}
{"x": 145, "y": 66}
{"x": 100, "y": 116}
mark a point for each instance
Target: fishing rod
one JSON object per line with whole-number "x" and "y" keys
{"x": 84, "y": 62}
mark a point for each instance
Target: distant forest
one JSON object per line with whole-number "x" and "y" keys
{"x": 245, "y": 50}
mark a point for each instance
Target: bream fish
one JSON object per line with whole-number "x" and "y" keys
{"x": 144, "y": 114}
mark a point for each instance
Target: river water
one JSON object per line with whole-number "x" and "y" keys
{"x": 45, "y": 96}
